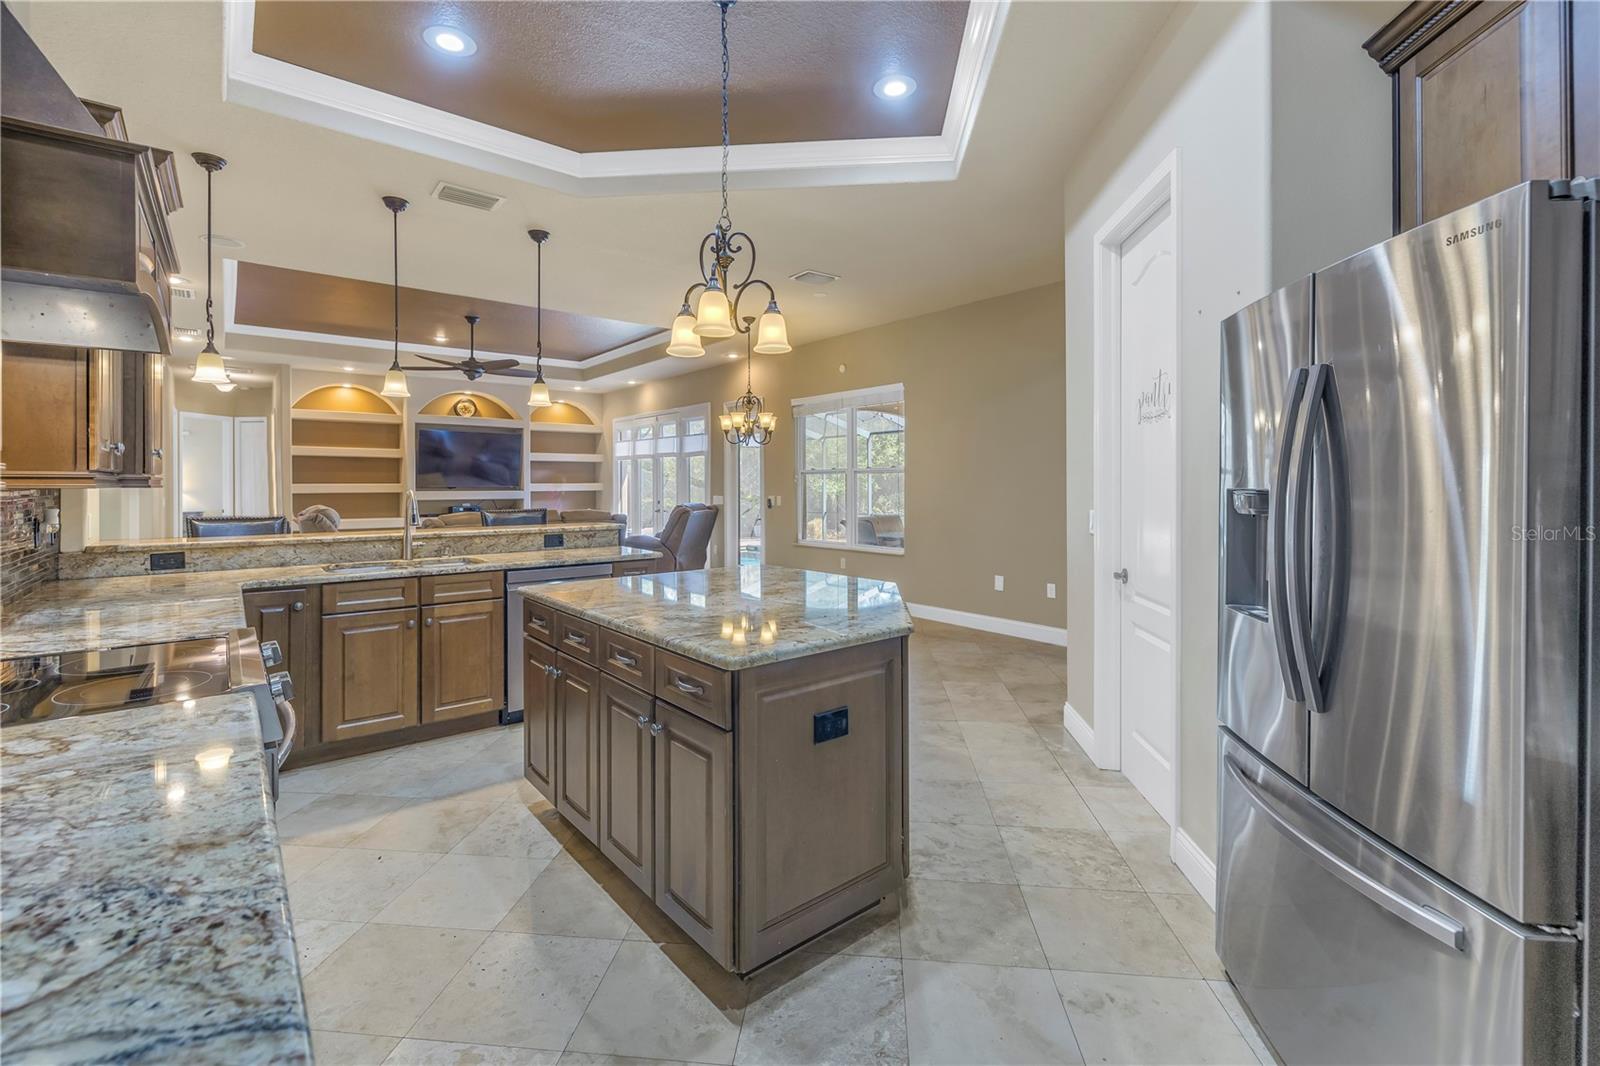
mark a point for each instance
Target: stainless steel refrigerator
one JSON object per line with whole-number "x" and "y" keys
{"x": 1407, "y": 655}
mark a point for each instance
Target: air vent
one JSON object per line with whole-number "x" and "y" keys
{"x": 473, "y": 198}
{"x": 184, "y": 333}
{"x": 182, "y": 294}
{"x": 814, "y": 277}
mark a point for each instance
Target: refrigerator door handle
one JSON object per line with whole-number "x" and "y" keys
{"x": 1441, "y": 927}
{"x": 1278, "y": 578}
{"x": 1297, "y": 537}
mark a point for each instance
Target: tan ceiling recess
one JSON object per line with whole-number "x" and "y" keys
{"x": 600, "y": 75}
{"x": 306, "y": 302}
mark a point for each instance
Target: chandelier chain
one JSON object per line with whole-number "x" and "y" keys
{"x": 538, "y": 314}
{"x": 725, "y": 222}
{"x": 211, "y": 329}
{"x": 396, "y": 216}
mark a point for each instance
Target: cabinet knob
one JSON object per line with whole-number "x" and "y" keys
{"x": 656, "y": 729}
{"x": 1120, "y": 575}
{"x": 118, "y": 448}
{"x": 644, "y": 720}
{"x": 298, "y": 605}
{"x": 427, "y": 621}
{"x": 411, "y": 623}
{"x": 155, "y": 453}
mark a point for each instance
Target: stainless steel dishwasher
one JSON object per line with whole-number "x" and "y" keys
{"x": 516, "y": 579}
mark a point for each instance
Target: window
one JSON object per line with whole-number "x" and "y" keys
{"x": 660, "y": 462}
{"x": 852, "y": 469}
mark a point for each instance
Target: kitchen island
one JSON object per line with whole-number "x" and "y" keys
{"x": 733, "y": 740}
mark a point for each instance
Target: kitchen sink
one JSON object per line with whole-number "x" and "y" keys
{"x": 379, "y": 566}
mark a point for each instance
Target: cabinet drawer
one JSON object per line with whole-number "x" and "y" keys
{"x": 697, "y": 688}
{"x": 631, "y": 660}
{"x": 381, "y": 595}
{"x": 539, "y": 621}
{"x": 578, "y": 638}
{"x": 459, "y": 588}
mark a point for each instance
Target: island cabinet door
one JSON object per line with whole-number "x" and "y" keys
{"x": 627, "y": 781}
{"x": 694, "y": 829}
{"x": 289, "y": 617}
{"x": 578, "y": 744}
{"x": 369, "y": 673}
{"x": 539, "y": 716}
{"x": 463, "y": 659}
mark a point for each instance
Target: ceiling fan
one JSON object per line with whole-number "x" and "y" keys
{"x": 472, "y": 367}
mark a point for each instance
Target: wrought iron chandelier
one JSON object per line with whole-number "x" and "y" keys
{"x": 748, "y": 422}
{"x": 715, "y": 315}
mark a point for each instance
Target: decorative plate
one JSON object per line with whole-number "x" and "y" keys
{"x": 466, "y": 407}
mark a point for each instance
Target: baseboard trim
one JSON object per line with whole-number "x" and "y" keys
{"x": 988, "y": 623}
{"x": 1196, "y": 865}
{"x": 1080, "y": 730}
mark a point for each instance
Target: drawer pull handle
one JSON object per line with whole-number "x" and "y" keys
{"x": 656, "y": 729}
{"x": 577, "y": 640}
{"x": 622, "y": 658}
{"x": 685, "y": 686}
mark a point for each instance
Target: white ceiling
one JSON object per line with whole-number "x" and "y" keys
{"x": 308, "y": 198}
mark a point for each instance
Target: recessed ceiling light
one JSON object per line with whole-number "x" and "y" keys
{"x": 177, "y": 279}
{"x": 632, "y": 382}
{"x": 895, "y": 86}
{"x": 577, "y": 388}
{"x": 349, "y": 370}
{"x": 449, "y": 40}
{"x": 733, "y": 355}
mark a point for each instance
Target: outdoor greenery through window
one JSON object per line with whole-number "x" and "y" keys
{"x": 852, "y": 468}
{"x": 660, "y": 463}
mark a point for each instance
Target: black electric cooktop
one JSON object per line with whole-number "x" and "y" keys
{"x": 42, "y": 687}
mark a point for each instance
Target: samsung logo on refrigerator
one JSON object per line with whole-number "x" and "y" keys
{"x": 1475, "y": 231}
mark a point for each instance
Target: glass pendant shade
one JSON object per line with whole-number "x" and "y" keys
{"x": 394, "y": 382}
{"x": 714, "y": 316}
{"x": 226, "y": 386}
{"x": 685, "y": 343}
{"x": 208, "y": 368}
{"x": 538, "y": 394}
{"x": 768, "y": 420}
{"x": 772, "y": 332}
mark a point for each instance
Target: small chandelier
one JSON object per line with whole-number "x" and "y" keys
{"x": 749, "y": 422}
{"x": 716, "y": 313}
{"x": 208, "y": 368}
{"x": 394, "y": 380}
{"x": 539, "y": 392}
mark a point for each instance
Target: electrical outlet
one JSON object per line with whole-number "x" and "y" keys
{"x": 999, "y": 582}
{"x": 844, "y": 564}
{"x": 1049, "y": 590}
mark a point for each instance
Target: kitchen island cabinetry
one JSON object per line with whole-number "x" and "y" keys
{"x": 734, "y": 742}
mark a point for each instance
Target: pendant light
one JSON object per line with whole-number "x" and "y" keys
{"x": 208, "y": 369}
{"x": 394, "y": 381}
{"x": 749, "y": 422}
{"x": 539, "y": 392}
{"x": 716, "y": 312}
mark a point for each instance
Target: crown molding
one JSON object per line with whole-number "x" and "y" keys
{"x": 293, "y": 92}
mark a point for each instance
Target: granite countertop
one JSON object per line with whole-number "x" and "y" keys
{"x": 145, "y": 917}
{"x": 344, "y": 536}
{"x": 93, "y": 614}
{"x": 738, "y": 617}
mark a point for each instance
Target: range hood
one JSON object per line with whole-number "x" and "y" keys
{"x": 84, "y": 247}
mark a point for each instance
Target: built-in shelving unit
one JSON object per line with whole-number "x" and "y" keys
{"x": 346, "y": 451}
{"x": 566, "y": 457}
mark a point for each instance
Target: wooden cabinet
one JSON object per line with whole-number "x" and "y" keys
{"x": 289, "y": 617}
{"x": 382, "y": 594}
{"x": 578, "y": 744}
{"x": 369, "y": 673}
{"x": 694, "y": 829}
{"x": 80, "y": 418}
{"x": 539, "y": 716}
{"x": 627, "y": 780}
{"x": 1489, "y": 95}
{"x": 463, "y": 659}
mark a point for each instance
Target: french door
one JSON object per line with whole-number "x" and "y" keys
{"x": 660, "y": 462}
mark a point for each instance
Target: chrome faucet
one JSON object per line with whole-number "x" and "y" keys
{"x": 411, "y": 521}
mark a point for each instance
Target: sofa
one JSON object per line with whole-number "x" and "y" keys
{"x": 881, "y": 531}
{"x": 685, "y": 537}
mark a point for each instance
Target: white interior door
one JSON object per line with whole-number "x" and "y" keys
{"x": 252, "y": 466}
{"x": 205, "y": 451}
{"x": 747, "y": 530}
{"x": 1147, "y": 596}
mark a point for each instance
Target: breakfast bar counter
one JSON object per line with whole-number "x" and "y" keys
{"x": 732, "y": 740}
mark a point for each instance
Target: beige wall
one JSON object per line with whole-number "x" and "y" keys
{"x": 1281, "y": 128}
{"x": 984, "y": 440}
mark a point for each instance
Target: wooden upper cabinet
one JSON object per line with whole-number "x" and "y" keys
{"x": 627, "y": 781}
{"x": 80, "y": 418}
{"x": 289, "y": 617}
{"x": 539, "y": 716}
{"x": 1487, "y": 96}
{"x": 369, "y": 673}
{"x": 463, "y": 659}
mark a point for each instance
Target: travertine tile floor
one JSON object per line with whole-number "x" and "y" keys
{"x": 445, "y": 915}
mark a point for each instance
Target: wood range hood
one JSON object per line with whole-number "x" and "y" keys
{"x": 85, "y": 252}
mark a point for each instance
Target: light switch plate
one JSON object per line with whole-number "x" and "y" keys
{"x": 999, "y": 582}
{"x": 1049, "y": 590}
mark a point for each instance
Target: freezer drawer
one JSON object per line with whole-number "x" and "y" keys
{"x": 1347, "y": 952}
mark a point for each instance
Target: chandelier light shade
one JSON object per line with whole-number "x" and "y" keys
{"x": 539, "y": 392}
{"x": 685, "y": 343}
{"x": 227, "y": 384}
{"x": 716, "y": 311}
{"x": 208, "y": 369}
{"x": 747, "y": 422}
{"x": 394, "y": 381}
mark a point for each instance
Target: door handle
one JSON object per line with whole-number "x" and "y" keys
{"x": 1120, "y": 575}
{"x": 1297, "y": 537}
{"x": 1278, "y": 575}
{"x": 1425, "y": 919}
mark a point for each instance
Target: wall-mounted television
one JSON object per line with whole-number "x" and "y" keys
{"x": 449, "y": 458}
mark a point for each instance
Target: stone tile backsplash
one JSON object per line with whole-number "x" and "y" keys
{"x": 22, "y": 565}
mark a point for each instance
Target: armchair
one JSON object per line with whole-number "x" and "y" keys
{"x": 685, "y": 537}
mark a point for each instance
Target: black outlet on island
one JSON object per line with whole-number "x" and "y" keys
{"x": 160, "y": 561}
